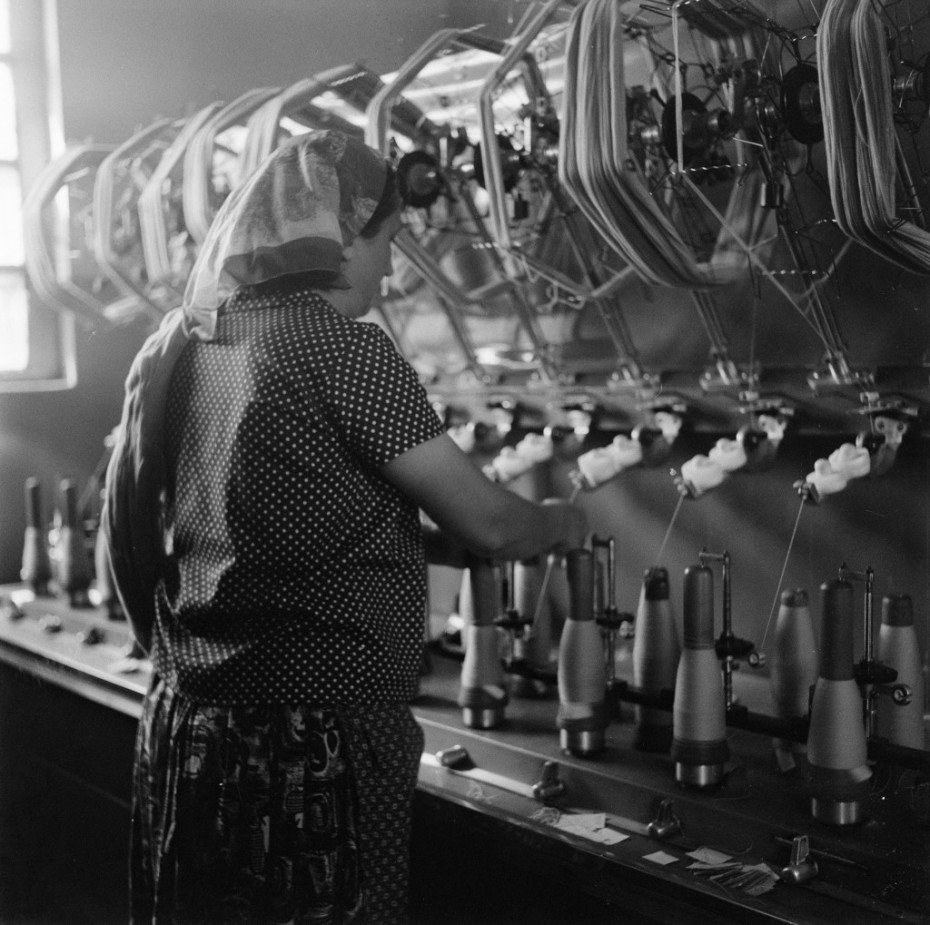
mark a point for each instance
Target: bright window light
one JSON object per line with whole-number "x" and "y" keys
{"x": 4, "y": 27}
{"x": 14, "y": 305}
{"x": 9, "y": 146}
{"x": 11, "y": 218}
{"x": 14, "y": 322}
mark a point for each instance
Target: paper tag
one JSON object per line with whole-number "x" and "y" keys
{"x": 582, "y": 821}
{"x": 660, "y": 857}
{"x": 591, "y": 826}
{"x": 608, "y": 836}
{"x": 709, "y": 856}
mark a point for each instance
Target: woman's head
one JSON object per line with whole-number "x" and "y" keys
{"x": 296, "y": 214}
{"x": 366, "y": 259}
{"x": 365, "y": 262}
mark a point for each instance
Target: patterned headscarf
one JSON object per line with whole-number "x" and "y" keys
{"x": 310, "y": 198}
{"x": 294, "y": 214}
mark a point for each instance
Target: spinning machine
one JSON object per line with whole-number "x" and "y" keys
{"x": 633, "y": 233}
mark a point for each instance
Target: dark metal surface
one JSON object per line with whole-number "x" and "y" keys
{"x": 79, "y": 649}
{"x": 874, "y": 873}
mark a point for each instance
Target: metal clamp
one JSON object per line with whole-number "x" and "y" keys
{"x": 902, "y": 695}
{"x": 666, "y": 824}
{"x": 450, "y": 757}
{"x": 550, "y": 785}
{"x": 801, "y": 866}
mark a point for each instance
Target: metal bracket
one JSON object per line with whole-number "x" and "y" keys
{"x": 666, "y": 824}
{"x": 801, "y": 866}
{"x": 550, "y": 785}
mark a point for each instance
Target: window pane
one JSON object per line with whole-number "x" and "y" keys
{"x": 11, "y": 218}
{"x": 14, "y": 323}
{"x": 9, "y": 149}
{"x": 4, "y": 26}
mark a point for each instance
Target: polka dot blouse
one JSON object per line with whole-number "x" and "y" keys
{"x": 296, "y": 571}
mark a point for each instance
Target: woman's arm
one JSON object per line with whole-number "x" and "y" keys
{"x": 469, "y": 508}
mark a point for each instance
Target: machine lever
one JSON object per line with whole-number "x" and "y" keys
{"x": 550, "y": 785}
{"x": 801, "y": 866}
{"x": 666, "y": 824}
{"x": 453, "y": 756}
{"x": 901, "y": 695}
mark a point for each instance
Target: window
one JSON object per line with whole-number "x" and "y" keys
{"x": 14, "y": 336}
{"x": 36, "y": 343}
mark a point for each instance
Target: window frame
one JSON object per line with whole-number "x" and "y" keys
{"x": 34, "y": 61}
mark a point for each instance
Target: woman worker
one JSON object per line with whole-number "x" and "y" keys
{"x": 262, "y": 513}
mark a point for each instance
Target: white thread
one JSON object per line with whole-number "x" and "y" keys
{"x": 594, "y": 163}
{"x": 860, "y": 140}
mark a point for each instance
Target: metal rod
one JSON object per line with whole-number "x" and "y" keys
{"x": 610, "y": 614}
{"x": 869, "y": 690}
{"x": 724, "y": 559}
{"x": 550, "y": 564}
{"x": 867, "y": 576}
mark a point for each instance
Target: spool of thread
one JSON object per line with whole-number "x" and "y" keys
{"x": 794, "y": 665}
{"x": 852, "y": 461}
{"x": 74, "y": 574}
{"x": 702, "y": 473}
{"x": 836, "y": 744}
{"x": 898, "y": 648}
{"x": 583, "y": 714}
{"x": 482, "y": 695}
{"x": 534, "y": 646}
{"x": 509, "y": 465}
{"x": 826, "y": 479}
{"x": 598, "y": 466}
{"x": 37, "y": 567}
{"x": 730, "y": 455}
{"x": 656, "y": 652}
{"x": 699, "y": 735}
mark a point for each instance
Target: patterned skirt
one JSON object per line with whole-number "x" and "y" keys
{"x": 271, "y": 814}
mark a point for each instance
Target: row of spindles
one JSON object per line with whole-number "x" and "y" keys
{"x": 803, "y": 683}
{"x": 63, "y": 565}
